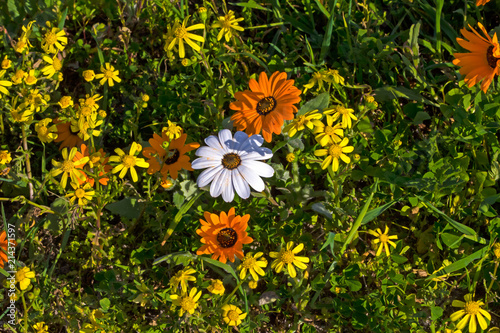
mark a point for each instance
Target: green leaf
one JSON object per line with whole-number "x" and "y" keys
{"x": 376, "y": 212}
{"x": 178, "y": 200}
{"x": 398, "y": 259}
{"x": 179, "y": 216}
{"x": 319, "y": 208}
{"x": 353, "y": 285}
{"x": 436, "y": 312}
{"x": 176, "y": 258}
{"x": 320, "y": 102}
{"x": 129, "y": 207}
{"x": 420, "y": 117}
{"x": 388, "y": 93}
{"x": 105, "y": 303}
{"x": 329, "y": 242}
{"x": 450, "y": 240}
{"x": 250, "y": 4}
{"x": 460, "y": 264}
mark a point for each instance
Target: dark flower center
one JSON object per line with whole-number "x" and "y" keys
{"x": 231, "y": 161}
{"x": 172, "y": 156}
{"x": 227, "y": 237}
{"x": 492, "y": 60}
{"x": 266, "y": 105}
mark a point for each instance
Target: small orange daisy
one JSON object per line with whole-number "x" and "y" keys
{"x": 224, "y": 235}
{"x": 97, "y": 162}
{"x": 482, "y": 62}
{"x": 266, "y": 105}
{"x": 481, "y": 2}
{"x": 168, "y": 157}
{"x": 65, "y": 135}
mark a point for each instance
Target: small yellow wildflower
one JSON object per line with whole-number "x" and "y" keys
{"x": 18, "y": 76}
{"x": 335, "y": 76}
{"x": 187, "y": 302}
{"x": 54, "y": 66}
{"x": 182, "y": 277}
{"x": 24, "y": 276}
{"x": 88, "y": 75}
{"x": 65, "y": 102}
{"x": 46, "y": 134}
{"x": 287, "y": 257}
{"x": 81, "y": 193}
{"x": 128, "y": 161}
{"x": 333, "y": 152}
{"x": 327, "y": 134}
{"x": 68, "y": 168}
{"x": 30, "y": 79}
{"x": 252, "y": 284}
{"x": 145, "y": 98}
{"x": 181, "y": 34}
{"x": 54, "y": 37}
{"x": 6, "y": 63}
{"x": 232, "y": 315}
{"x": 3, "y": 84}
{"x": 496, "y": 250}
{"x": 172, "y": 130}
{"x": 252, "y": 265}
{"x": 290, "y": 157}
{"x": 5, "y": 157}
{"x": 384, "y": 239}
{"x": 41, "y": 327}
{"x": 347, "y": 115}
{"x": 108, "y": 74}
{"x": 91, "y": 101}
{"x": 471, "y": 310}
{"x": 216, "y": 287}
{"x": 228, "y": 24}
{"x": 301, "y": 122}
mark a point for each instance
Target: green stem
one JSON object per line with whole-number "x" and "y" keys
{"x": 25, "y": 314}
{"x": 439, "y": 9}
{"x": 493, "y": 279}
{"x": 28, "y": 164}
{"x": 233, "y": 292}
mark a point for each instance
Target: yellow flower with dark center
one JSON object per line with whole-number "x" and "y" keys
{"x": 341, "y": 111}
{"x": 54, "y": 40}
{"x": 180, "y": 34}
{"x": 30, "y": 79}
{"x": 302, "y": 121}
{"x": 471, "y": 310}
{"x": 228, "y": 23}
{"x": 384, "y": 239}
{"x": 329, "y": 133}
{"x": 232, "y": 315}
{"x": 6, "y": 63}
{"x": 108, "y": 74}
{"x": 18, "y": 76}
{"x": 68, "y": 168}
{"x": 187, "y": 302}
{"x": 65, "y": 102}
{"x": 287, "y": 258}
{"x": 46, "y": 134}
{"x": 128, "y": 161}
{"x": 55, "y": 65}
{"x": 251, "y": 264}
{"x": 3, "y": 84}
{"x": 182, "y": 277}
{"x": 333, "y": 152}
{"x": 172, "y": 130}
{"x": 5, "y": 157}
{"x": 24, "y": 276}
{"x": 216, "y": 287}
{"x": 88, "y": 75}
{"x": 81, "y": 193}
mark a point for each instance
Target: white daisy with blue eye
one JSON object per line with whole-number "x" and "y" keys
{"x": 233, "y": 164}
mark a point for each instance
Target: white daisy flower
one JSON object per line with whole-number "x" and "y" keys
{"x": 233, "y": 164}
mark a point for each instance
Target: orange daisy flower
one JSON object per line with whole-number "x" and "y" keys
{"x": 65, "y": 135}
{"x": 167, "y": 156}
{"x": 4, "y": 244}
{"x": 481, "y": 2}
{"x": 224, "y": 235}
{"x": 98, "y": 162}
{"x": 266, "y": 105}
{"x": 482, "y": 62}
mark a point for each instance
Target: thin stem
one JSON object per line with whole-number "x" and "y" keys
{"x": 28, "y": 164}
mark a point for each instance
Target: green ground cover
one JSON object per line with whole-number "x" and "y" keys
{"x": 281, "y": 166}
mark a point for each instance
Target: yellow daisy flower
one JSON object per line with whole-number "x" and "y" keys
{"x": 24, "y": 276}
{"x": 18, "y": 76}
{"x": 327, "y": 134}
{"x": 181, "y": 34}
{"x": 6, "y": 63}
{"x": 65, "y": 102}
{"x": 347, "y": 115}
{"x": 46, "y": 134}
{"x": 471, "y": 310}
{"x": 287, "y": 257}
{"x": 108, "y": 74}
{"x": 30, "y": 79}
{"x": 41, "y": 327}
{"x": 216, "y": 287}
{"x": 3, "y": 84}
{"x": 88, "y": 75}
{"x": 252, "y": 284}
{"x": 128, "y": 161}
{"x": 54, "y": 40}
{"x": 251, "y": 264}
{"x": 54, "y": 66}
{"x": 68, "y": 168}
{"x": 91, "y": 101}
{"x": 172, "y": 130}
{"x": 83, "y": 193}
{"x": 301, "y": 122}
{"x": 5, "y": 157}
{"x": 333, "y": 152}
{"x": 228, "y": 24}
{"x": 187, "y": 302}
{"x": 232, "y": 315}
{"x": 384, "y": 239}
{"x": 182, "y": 277}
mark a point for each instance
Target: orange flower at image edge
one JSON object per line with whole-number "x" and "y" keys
{"x": 482, "y": 62}
{"x": 224, "y": 235}
{"x": 4, "y": 245}
{"x": 481, "y": 2}
{"x": 266, "y": 105}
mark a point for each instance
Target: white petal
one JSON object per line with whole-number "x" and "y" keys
{"x": 260, "y": 168}
{"x": 240, "y": 185}
{"x": 241, "y": 139}
{"x": 218, "y": 183}
{"x": 227, "y": 188}
{"x": 257, "y": 140}
{"x": 209, "y": 152}
{"x": 257, "y": 155}
{"x": 226, "y": 139}
{"x": 251, "y": 178}
{"x": 208, "y": 175}
{"x": 213, "y": 142}
{"x": 203, "y": 162}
